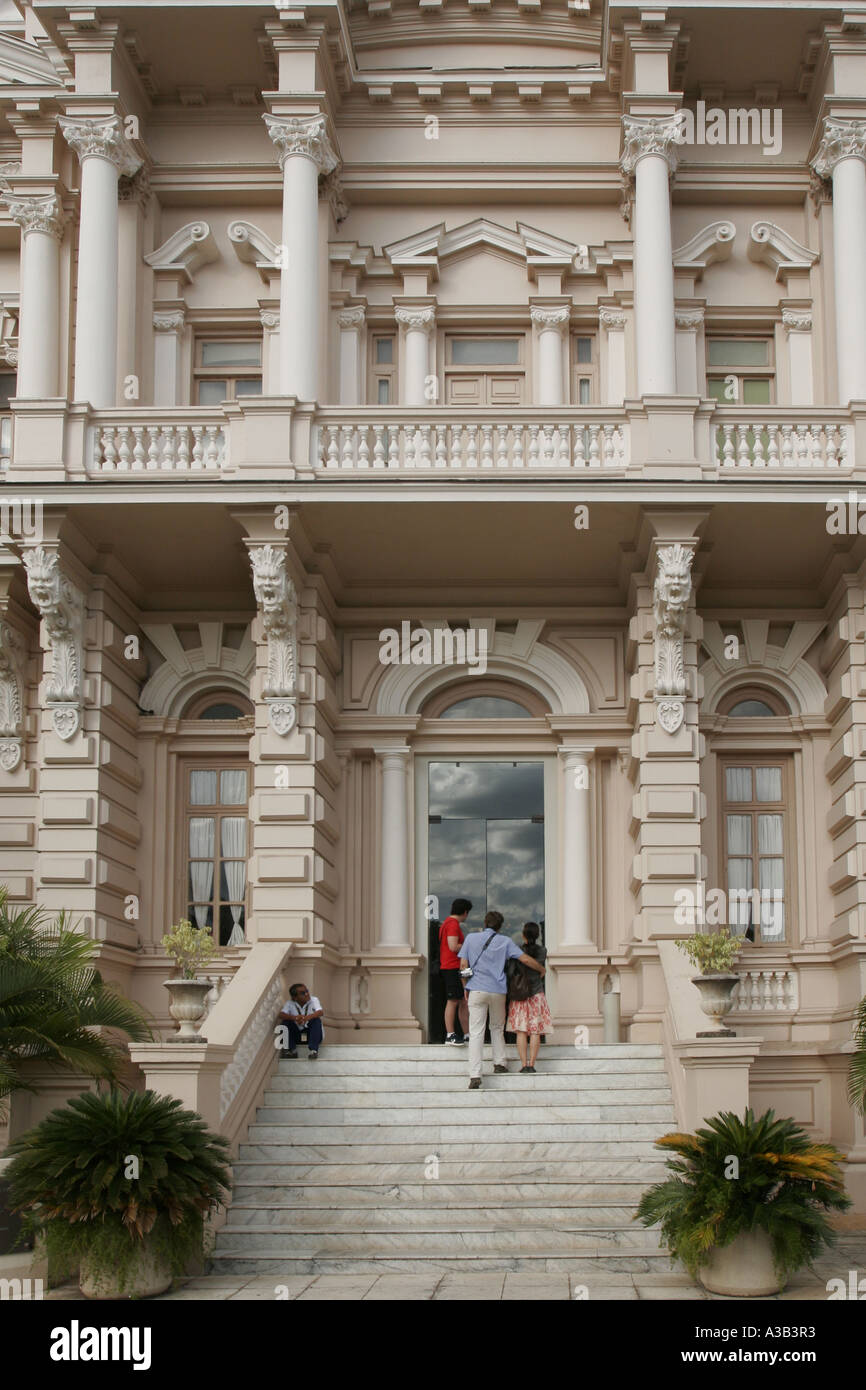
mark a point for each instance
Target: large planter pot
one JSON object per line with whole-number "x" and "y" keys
{"x": 743, "y": 1269}
{"x": 151, "y": 1276}
{"x": 187, "y": 1005}
{"x": 717, "y": 1000}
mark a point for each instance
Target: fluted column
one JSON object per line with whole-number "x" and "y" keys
{"x": 351, "y": 321}
{"x": 41, "y": 221}
{"x": 394, "y": 907}
{"x": 576, "y": 861}
{"x": 650, "y": 155}
{"x": 552, "y": 325}
{"x": 105, "y": 154}
{"x": 305, "y": 152}
{"x": 842, "y": 156}
{"x": 416, "y": 326}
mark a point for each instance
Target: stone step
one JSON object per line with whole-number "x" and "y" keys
{"x": 459, "y": 1097}
{"x": 522, "y": 1240}
{"x": 350, "y": 1192}
{"x": 497, "y": 1125}
{"x": 376, "y": 1176}
{"x": 455, "y": 1061}
{"x": 548, "y": 1150}
{"x": 591, "y": 1265}
{"x": 464, "y": 1217}
{"x": 314, "y": 1082}
{"x": 487, "y": 1110}
{"x": 422, "y": 1051}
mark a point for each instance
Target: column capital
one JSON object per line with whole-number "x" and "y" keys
{"x": 614, "y": 320}
{"x": 306, "y": 136}
{"x": 270, "y": 318}
{"x": 554, "y": 317}
{"x": 170, "y": 322}
{"x": 353, "y": 316}
{"x": 398, "y": 753}
{"x": 37, "y": 213}
{"x": 797, "y": 321}
{"x": 691, "y": 319}
{"x": 576, "y": 755}
{"x": 644, "y": 135}
{"x": 842, "y": 139}
{"x": 418, "y": 320}
{"x": 101, "y": 138}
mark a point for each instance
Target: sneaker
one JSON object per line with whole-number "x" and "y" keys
{"x": 475, "y": 1083}
{"x": 313, "y": 1056}
{"x": 452, "y": 1040}
{"x": 500, "y": 1069}
{"x": 285, "y": 1053}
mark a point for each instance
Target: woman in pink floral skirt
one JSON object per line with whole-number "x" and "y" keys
{"x": 529, "y": 1018}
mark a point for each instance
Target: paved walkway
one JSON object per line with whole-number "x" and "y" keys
{"x": 849, "y": 1254}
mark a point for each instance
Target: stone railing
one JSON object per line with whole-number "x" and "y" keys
{"x": 192, "y": 442}
{"x": 774, "y": 440}
{"x": 453, "y": 440}
{"x": 772, "y": 990}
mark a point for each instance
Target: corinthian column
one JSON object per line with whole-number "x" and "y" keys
{"x": 41, "y": 221}
{"x": 105, "y": 154}
{"x": 552, "y": 325}
{"x": 417, "y": 325}
{"x": 650, "y": 155}
{"x": 394, "y": 908}
{"x": 842, "y": 156}
{"x": 305, "y": 152}
{"x": 576, "y": 864}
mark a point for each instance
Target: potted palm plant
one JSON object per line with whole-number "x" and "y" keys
{"x": 747, "y": 1202}
{"x": 120, "y": 1186}
{"x": 714, "y": 953}
{"x": 189, "y": 947}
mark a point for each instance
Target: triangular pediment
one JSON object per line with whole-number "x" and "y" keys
{"x": 24, "y": 65}
{"x": 434, "y": 244}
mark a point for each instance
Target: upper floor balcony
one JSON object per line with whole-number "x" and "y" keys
{"x": 274, "y": 439}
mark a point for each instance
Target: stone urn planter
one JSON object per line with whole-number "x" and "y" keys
{"x": 743, "y": 1269}
{"x": 187, "y": 1006}
{"x": 717, "y": 1000}
{"x": 152, "y": 1275}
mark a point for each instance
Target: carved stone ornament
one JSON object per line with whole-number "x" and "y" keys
{"x": 671, "y": 594}
{"x": 416, "y": 319}
{"x": 797, "y": 321}
{"x": 37, "y": 214}
{"x": 12, "y": 656}
{"x": 352, "y": 317}
{"x": 332, "y": 188}
{"x": 689, "y": 318}
{"x": 550, "y": 319}
{"x": 644, "y": 135}
{"x": 135, "y": 188}
{"x": 103, "y": 139}
{"x": 841, "y": 140}
{"x": 169, "y": 322}
{"x": 670, "y": 715}
{"x": 277, "y": 601}
{"x": 612, "y": 319}
{"x": 270, "y": 318}
{"x": 61, "y": 607}
{"x": 303, "y": 135}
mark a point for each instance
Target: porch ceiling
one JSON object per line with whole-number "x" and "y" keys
{"x": 189, "y": 555}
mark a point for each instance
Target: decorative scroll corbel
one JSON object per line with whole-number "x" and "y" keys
{"x": 12, "y": 658}
{"x": 61, "y": 607}
{"x": 671, "y": 594}
{"x": 277, "y": 601}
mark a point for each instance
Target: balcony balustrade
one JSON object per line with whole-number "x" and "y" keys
{"x": 793, "y": 441}
{"x": 181, "y": 445}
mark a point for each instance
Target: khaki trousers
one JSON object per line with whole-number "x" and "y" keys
{"x": 482, "y": 1002}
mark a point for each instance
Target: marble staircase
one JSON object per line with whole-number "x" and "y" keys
{"x": 380, "y": 1156}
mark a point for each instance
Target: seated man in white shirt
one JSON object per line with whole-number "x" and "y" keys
{"x": 302, "y": 1012}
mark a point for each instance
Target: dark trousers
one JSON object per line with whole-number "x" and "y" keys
{"x": 314, "y": 1034}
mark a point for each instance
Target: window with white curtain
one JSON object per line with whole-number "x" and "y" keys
{"x": 754, "y": 814}
{"x": 216, "y": 838}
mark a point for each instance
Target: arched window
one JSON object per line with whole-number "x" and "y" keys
{"x": 218, "y": 704}
{"x": 485, "y": 707}
{"x": 753, "y": 702}
{"x": 485, "y": 698}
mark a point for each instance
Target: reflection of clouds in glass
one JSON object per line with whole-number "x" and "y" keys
{"x": 515, "y": 871}
{"x": 457, "y": 864}
{"x": 486, "y": 707}
{"x": 492, "y": 790}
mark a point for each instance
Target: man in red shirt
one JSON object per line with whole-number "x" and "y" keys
{"x": 450, "y": 941}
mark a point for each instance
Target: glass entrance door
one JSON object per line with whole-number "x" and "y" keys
{"x": 485, "y": 843}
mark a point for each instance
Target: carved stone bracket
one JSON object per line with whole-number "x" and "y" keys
{"x": 278, "y": 606}
{"x": 104, "y": 139}
{"x": 797, "y": 320}
{"x": 841, "y": 140}
{"x": 61, "y": 607}
{"x": 331, "y": 187}
{"x": 303, "y": 135}
{"x": 12, "y": 658}
{"x": 672, "y": 592}
{"x": 37, "y": 214}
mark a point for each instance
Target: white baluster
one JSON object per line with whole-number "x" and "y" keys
{"x": 394, "y": 446}
{"x": 378, "y": 446}
{"x": 580, "y": 446}
{"x": 743, "y": 458}
{"x": 728, "y": 446}
{"x": 109, "y": 453}
{"x": 802, "y": 447}
{"x": 547, "y": 446}
{"x": 410, "y": 453}
{"x": 456, "y": 446}
{"x": 332, "y": 453}
{"x": 594, "y": 456}
{"x": 609, "y": 447}
{"x": 424, "y": 460}
{"x": 348, "y": 456}
{"x": 843, "y": 446}
{"x": 138, "y": 454}
{"x": 440, "y": 451}
{"x": 197, "y": 448}
{"x": 486, "y": 446}
{"x": 533, "y": 445}
{"x": 471, "y": 446}
{"x": 183, "y": 447}
{"x": 168, "y": 447}
{"x": 563, "y": 451}
{"x": 517, "y": 460}
{"x": 501, "y": 446}
{"x": 123, "y": 451}
{"x": 212, "y": 448}
{"x": 830, "y": 457}
{"x": 773, "y": 447}
{"x": 759, "y": 446}
{"x": 152, "y": 446}
{"x": 787, "y": 446}
{"x": 363, "y": 447}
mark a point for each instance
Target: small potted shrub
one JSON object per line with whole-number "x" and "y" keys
{"x": 714, "y": 953}
{"x": 189, "y": 947}
{"x": 747, "y": 1202}
{"x": 119, "y": 1187}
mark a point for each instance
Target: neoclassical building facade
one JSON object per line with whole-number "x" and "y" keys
{"x": 532, "y": 332}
